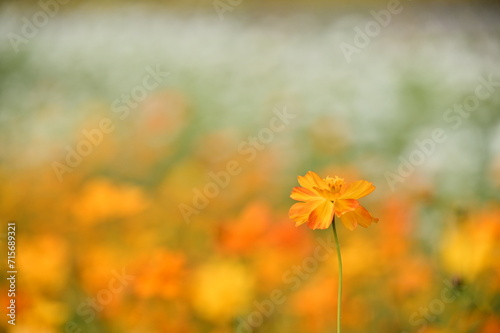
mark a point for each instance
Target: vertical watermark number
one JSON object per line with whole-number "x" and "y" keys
{"x": 11, "y": 271}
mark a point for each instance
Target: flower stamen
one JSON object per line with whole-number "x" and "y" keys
{"x": 335, "y": 184}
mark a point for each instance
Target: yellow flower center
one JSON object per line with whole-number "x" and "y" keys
{"x": 335, "y": 184}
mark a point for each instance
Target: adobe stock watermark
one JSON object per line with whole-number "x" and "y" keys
{"x": 292, "y": 280}
{"x": 248, "y": 148}
{"x": 89, "y": 308}
{"x": 31, "y": 26}
{"x": 430, "y": 313}
{"x": 454, "y": 118}
{"x": 121, "y": 106}
{"x": 363, "y": 37}
{"x": 223, "y": 6}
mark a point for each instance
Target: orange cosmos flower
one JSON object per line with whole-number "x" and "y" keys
{"x": 325, "y": 198}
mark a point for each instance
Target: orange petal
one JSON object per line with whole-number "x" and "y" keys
{"x": 358, "y": 216}
{"x": 343, "y": 206}
{"x": 327, "y": 194}
{"x": 300, "y": 211}
{"x": 349, "y": 220}
{"x": 312, "y": 180}
{"x": 303, "y": 194}
{"x": 321, "y": 217}
{"x": 297, "y": 210}
{"x": 357, "y": 189}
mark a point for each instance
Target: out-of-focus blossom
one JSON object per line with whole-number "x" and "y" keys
{"x": 363, "y": 258}
{"x": 410, "y": 276}
{"x": 221, "y": 290}
{"x": 491, "y": 325}
{"x": 468, "y": 249}
{"x": 45, "y": 268}
{"x": 100, "y": 199}
{"x": 315, "y": 301}
{"x": 97, "y": 264}
{"x": 284, "y": 236}
{"x": 44, "y": 261}
{"x": 245, "y": 233}
{"x": 397, "y": 214}
{"x": 160, "y": 274}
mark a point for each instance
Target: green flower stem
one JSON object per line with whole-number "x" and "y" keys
{"x": 339, "y": 257}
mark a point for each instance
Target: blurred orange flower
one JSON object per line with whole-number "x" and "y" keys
{"x": 325, "y": 198}
{"x": 221, "y": 290}
{"x": 243, "y": 234}
{"x": 101, "y": 199}
{"x": 163, "y": 276}
{"x": 470, "y": 249}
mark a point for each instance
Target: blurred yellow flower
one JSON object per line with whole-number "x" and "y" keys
{"x": 470, "y": 249}
{"x": 221, "y": 290}
{"x": 100, "y": 199}
{"x": 325, "y": 198}
{"x": 44, "y": 261}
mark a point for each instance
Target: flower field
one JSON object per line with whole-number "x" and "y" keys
{"x": 149, "y": 153}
